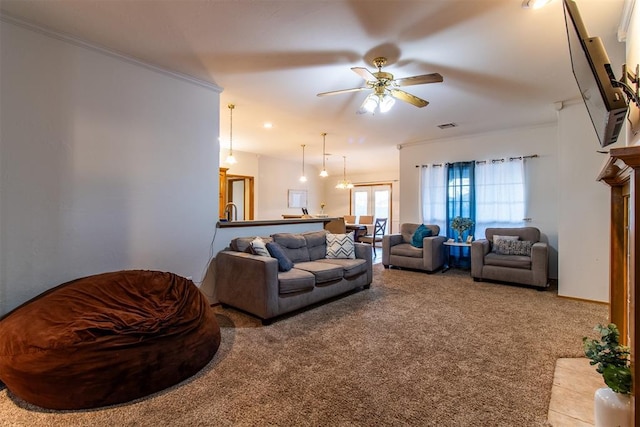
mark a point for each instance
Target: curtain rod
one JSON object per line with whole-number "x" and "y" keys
{"x": 532, "y": 156}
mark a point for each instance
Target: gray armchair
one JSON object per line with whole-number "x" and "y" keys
{"x": 492, "y": 262}
{"x": 398, "y": 251}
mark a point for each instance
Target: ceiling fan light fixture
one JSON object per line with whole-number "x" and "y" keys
{"x": 386, "y": 102}
{"x": 370, "y": 103}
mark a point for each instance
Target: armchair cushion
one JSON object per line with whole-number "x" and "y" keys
{"x": 420, "y": 233}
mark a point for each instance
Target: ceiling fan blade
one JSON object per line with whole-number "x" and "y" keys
{"x": 407, "y": 97}
{"x": 336, "y": 92}
{"x": 419, "y": 80}
{"x": 364, "y": 73}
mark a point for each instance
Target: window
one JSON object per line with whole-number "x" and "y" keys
{"x": 491, "y": 193}
{"x": 372, "y": 200}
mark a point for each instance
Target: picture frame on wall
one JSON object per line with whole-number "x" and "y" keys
{"x": 297, "y": 199}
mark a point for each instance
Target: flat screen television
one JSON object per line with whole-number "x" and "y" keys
{"x": 605, "y": 102}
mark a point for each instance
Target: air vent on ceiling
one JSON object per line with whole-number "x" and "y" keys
{"x": 447, "y": 125}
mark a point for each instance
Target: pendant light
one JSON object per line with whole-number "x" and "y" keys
{"x": 324, "y": 173}
{"x": 344, "y": 184}
{"x": 230, "y": 159}
{"x": 303, "y": 178}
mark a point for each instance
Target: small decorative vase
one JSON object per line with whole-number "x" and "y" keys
{"x": 611, "y": 408}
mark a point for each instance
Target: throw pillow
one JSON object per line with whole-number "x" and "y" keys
{"x": 259, "y": 247}
{"x": 514, "y": 247}
{"x": 497, "y": 237}
{"x": 420, "y": 233}
{"x": 276, "y": 251}
{"x": 340, "y": 246}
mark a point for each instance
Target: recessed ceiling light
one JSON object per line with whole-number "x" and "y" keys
{"x": 268, "y": 125}
{"x": 447, "y": 125}
{"x": 535, "y": 4}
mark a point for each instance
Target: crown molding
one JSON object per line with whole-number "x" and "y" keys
{"x": 105, "y": 51}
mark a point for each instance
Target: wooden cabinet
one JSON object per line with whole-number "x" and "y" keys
{"x": 622, "y": 174}
{"x": 222, "y": 197}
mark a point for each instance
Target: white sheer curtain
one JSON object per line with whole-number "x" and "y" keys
{"x": 433, "y": 194}
{"x": 500, "y": 194}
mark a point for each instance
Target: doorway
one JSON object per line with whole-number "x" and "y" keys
{"x": 240, "y": 193}
{"x": 372, "y": 200}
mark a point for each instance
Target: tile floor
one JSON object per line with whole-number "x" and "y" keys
{"x": 574, "y": 383}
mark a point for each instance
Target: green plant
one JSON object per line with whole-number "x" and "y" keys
{"x": 461, "y": 224}
{"x": 612, "y": 358}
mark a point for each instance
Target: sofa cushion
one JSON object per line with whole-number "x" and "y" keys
{"x": 295, "y": 280}
{"x": 340, "y": 246}
{"x": 513, "y": 247}
{"x": 420, "y": 233}
{"x": 316, "y": 244}
{"x": 243, "y": 244}
{"x": 276, "y": 251}
{"x": 511, "y": 261}
{"x": 351, "y": 267}
{"x": 323, "y": 272}
{"x": 294, "y": 245}
{"x": 406, "y": 249}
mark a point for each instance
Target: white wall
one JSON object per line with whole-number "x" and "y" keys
{"x": 583, "y": 208}
{"x": 632, "y": 60}
{"x": 105, "y": 165}
{"x": 542, "y": 172}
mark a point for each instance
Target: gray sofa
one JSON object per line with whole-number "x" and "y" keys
{"x": 397, "y": 250}
{"x": 252, "y": 283}
{"x": 527, "y": 270}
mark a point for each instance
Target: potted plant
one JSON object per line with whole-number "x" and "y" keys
{"x": 460, "y": 225}
{"x": 612, "y": 404}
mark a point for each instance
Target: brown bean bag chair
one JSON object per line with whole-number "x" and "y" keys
{"x": 106, "y": 339}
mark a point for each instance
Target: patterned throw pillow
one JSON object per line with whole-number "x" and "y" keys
{"x": 420, "y": 233}
{"x": 276, "y": 251}
{"x": 340, "y": 246}
{"x": 514, "y": 247}
{"x": 259, "y": 247}
{"x": 497, "y": 238}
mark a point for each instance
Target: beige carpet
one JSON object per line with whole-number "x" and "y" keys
{"x": 415, "y": 349}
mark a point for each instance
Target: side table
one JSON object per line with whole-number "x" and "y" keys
{"x": 449, "y": 245}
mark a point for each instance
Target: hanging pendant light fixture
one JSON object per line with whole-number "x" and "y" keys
{"x": 324, "y": 173}
{"x": 303, "y": 178}
{"x": 345, "y": 183}
{"x": 230, "y": 159}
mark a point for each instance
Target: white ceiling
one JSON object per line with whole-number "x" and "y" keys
{"x": 503, "y": 66}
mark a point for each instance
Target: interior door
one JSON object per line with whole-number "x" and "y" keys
{"x": 372, "y": 200}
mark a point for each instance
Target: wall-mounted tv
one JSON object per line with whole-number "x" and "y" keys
{"x": 605, "y": 102}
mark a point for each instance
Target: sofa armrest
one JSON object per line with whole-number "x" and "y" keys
{"x": 364, "y": 251}
{"x": 389, "y": 240}
{"x": 258, "y": 276}
{"x": 540, "y": 264}
{"x": 479, "y": 249}
{"x": 433, "y": 252}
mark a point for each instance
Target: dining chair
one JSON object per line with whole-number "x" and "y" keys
{"x": 378, "y": 231}
{"x": 365, "y": 219}
{"x": 349, "y": 219}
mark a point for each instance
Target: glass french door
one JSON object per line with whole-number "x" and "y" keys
{"x": 372, "y": 200}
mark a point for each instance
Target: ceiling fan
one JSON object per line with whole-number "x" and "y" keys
{"x": 384, "y": 88}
